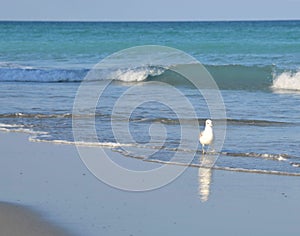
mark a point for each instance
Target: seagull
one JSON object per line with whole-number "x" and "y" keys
{"x": 206, "y": 136}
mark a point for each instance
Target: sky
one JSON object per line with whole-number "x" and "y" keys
{"x": 154, "y": 10}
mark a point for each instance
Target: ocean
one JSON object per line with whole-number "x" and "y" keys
{"x": 255, "y": 65}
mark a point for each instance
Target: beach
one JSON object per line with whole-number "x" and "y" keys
{"x": 137, "y": 94}
{"x": 52, "y": 181}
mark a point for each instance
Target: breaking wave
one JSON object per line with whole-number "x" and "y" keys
{"x": 287, "y": 81}
{"x": 240, "y": 77}
{"x": 236, "y": 77}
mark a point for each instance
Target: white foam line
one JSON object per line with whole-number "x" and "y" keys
{"x": 10, "y": 125}
{"x": 21, "y": 130}
{"x": 254, "y": 171}
{"x": 79, "y": 143}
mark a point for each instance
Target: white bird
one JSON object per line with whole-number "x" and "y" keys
{"x": 206, "y": 137}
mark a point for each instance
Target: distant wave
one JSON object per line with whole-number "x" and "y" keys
{"x": 10, "y": 65}
{"x": 41, "y": 75}
{"x": 226, "y": 76}
{"x": 35, "y": 115}
{"x": 163, "y": 120}
{"x": 287, "y": 81}
{"x": 238, "y": 122}
{"x": 10, "y": 72}
{"x": 235, "y": 77}
{"x": 241, "y": 77}
{"x": 257, "y": 122}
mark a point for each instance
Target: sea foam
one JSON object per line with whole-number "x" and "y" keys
{"x": 137, "y": 74}
{"x": 287, "y": 81}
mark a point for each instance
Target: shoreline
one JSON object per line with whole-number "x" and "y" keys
{"x": 52, "y": 180}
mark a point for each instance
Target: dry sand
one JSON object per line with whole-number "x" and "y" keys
{"x": 16, "y": 220}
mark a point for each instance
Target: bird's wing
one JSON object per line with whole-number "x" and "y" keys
{"x": 201, "y": 134}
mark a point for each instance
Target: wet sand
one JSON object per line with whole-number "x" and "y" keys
{"x": 52, "y": 180}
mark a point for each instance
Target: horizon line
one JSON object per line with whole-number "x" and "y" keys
{"x": 144, "y": 21}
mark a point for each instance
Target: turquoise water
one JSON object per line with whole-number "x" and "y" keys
{"x": 255, "y": 64}
{"x": 217, "y": 43}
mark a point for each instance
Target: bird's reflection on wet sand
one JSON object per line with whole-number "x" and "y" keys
{"x": 205, "y": 173}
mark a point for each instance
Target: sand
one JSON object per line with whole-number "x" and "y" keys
{"x": 52, "y": 181}
{"x": 17, "y": 220}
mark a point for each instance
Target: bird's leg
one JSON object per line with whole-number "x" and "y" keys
{"x": 212, "y": 148}
{"x": 203, "y": 150}
{"x": 209, "y": 149}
